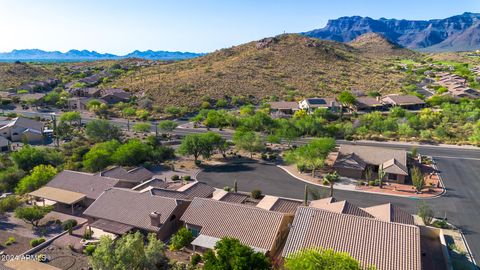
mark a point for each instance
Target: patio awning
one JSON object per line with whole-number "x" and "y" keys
{"x": 111, "y": 226}
{"x": 58, "y": 195}
{"x": 209, "y": 242}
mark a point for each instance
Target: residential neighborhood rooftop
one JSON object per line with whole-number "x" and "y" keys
{"x": 92, "y": 185}
{"x": 132, "y": 208}
{"x": 374, "y": 242}
{"x": 252, "y": 225}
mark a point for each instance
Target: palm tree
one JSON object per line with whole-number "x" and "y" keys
{"x": 331, "y": 178}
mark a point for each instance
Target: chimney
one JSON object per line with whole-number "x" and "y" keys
{"x": 155, "y": 219}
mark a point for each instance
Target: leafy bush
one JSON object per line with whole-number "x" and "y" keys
{"x": 10, "y": 241}
{"x": 195, "y": 259}
{"x": 198, "y": 162}
{"x": 325, "y": 182}
{"x": 187, "y": 177}
{"x": 89, "y": 249}
{"x": 256, "y": 194}
{"x": 371, "y": 183}
{"x": 69, "y": 224}
{"x": 8, "y": 204}
{"x": 40, "y": 176}
{"x": 440, "y": 223}
{"x": 175, "y": 177}
{"x": 181, "y": 239}
{"x": 37, "y": 241}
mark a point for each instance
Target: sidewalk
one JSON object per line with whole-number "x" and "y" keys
{"x": 349, "y": 184}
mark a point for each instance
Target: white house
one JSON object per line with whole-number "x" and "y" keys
{"x": 21, "y": 127}
{"x": 310, "y": 104}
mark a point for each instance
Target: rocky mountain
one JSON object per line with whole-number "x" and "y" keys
{"x": 456, "y": 33}
{"x": 286, "y": 66}
{"x": 84, "y": 55}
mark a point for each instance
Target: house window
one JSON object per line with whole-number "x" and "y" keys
{"x": 195, "y": 232}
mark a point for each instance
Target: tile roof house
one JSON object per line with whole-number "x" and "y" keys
{"x": 21, "y": 127}
{"x": 114, "y": 95}
{"x": 283, "y": 108}
{"x": 408, "y": 102}
{"x": 91, "y": 185}
{"x": 373, "y": 241}
{"x": 129, "y": 178}
{"x": 353, "y": 160}
{"x": 119, "y": 210}
{"x": 369, "y": 104}
{"x": 210, "y": 220}
{"x": 310, "y": 104}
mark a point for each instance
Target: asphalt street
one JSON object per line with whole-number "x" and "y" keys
{"x": 459, "y": 169}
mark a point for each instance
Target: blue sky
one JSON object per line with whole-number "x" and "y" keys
{"x": 121, "y": 26}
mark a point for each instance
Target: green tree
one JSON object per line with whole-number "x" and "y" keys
{"x": 102, "y": 130}
{"x": 181, "y": 239}
{"x": 39, "y": 176}
{"x": 127, "y": 113}
{"x": 142, "y": 127}
{"x": 317, "y": 259}
{"x": 167, "y": 125}
{"x": 29, "y": 157}
{"x": 192, "y": 144}
{"x": 132, "y": 153}
{"x": 418, "y": 179}
{"x": 173, "y": 110}
{"x": 347, "y": 98}
{"x": 331, "y": 178}
{"x": 312, "y": 154}
{"x": 221, "y": 103}
{"x": 142, "y": 114}
{"x": 100, "y": 156}
{"x": 71, "y": 117}
{"x": 230, "y": 254}
{"x": 32, "y": 214}
{"x": 248, "y": 141}
{"x": 129, "y": 252}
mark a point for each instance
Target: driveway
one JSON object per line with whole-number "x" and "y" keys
{"x": 459, "y": 169}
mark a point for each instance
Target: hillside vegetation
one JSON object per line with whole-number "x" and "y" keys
{"x": 286, "y": 66}
{"x": 16, "y": 74}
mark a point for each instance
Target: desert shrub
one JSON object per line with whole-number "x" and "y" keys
{"x": 89, "y": 249}
{"x": 371, "y": 183}
{"x": 10, "y": 241}
{"x": 69, "y": 224}
{"x": 256, "y": 194}
{"x": 175, "y": 177}
{"x": 181, "y": 239}
{"x": 8, "y": 204}
{"x": 37, "y": 241}
{"x": 195, "y": 259}
{"x": 187, "y": 177}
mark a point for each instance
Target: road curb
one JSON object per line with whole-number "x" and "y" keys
{"x": 356, "y": 190}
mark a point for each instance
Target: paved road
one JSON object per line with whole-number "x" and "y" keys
{"x": 460, "y": 171}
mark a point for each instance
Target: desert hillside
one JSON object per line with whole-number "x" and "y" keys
{"x": 286, "y": 65}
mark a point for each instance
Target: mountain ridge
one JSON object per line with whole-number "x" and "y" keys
{"x": 86, "y": 55}
{"x": 455, "y": 33}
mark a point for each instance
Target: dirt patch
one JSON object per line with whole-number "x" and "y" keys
{"x": 20, "y": 245}
{"x": 65, "y": 258}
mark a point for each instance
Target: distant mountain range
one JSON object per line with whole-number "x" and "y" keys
{"x": 76, "y": 55}
{"x": 456, "y": 33}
